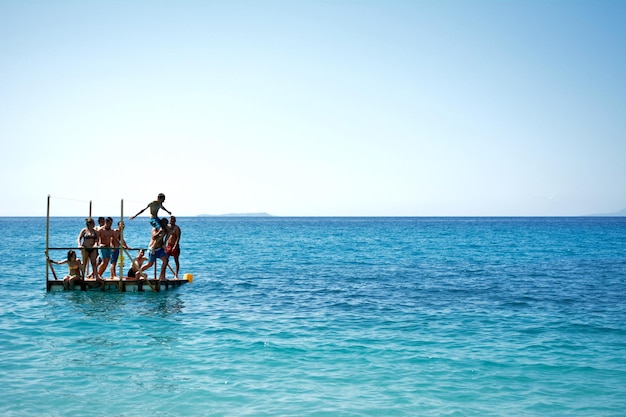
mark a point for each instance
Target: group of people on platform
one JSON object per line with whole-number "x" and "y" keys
{"x": 164, "y": 242}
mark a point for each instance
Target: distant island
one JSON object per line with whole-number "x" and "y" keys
{"x": 621, "y": 213}
{"x": 236, "y": 215}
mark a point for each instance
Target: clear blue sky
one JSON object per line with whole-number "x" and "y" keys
{"x": 314, "y": 108}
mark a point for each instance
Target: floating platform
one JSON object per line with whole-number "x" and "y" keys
{"x": 127, "y": 284}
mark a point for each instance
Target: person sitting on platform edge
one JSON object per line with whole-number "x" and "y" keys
{"x": 87, "y": 241}
{"x": 156, "y": 248}
{"x": 154, "y": 210}
{"x": 75, "y": 268}
{"x": 135, "y": 267}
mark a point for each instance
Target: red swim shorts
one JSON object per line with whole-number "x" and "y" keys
{"x": 171, "y": 251}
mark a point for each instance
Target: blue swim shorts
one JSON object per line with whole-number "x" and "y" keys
{"x": 114, "y": 255}
{"x": 155, "y": 222}
{"x": 159, "y": 253}
{"x": 105, "y": 253}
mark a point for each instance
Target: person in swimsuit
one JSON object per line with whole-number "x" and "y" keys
{"x": 100, "y": 225}
{"x": 156, "y": 248}
{"x": 136, "y": 265}
{"x": 75, "y": 268}
{"x": 87, "y": 242}
{"x": 154, "y": 207}
{"x": 116, "y": 242}
{"x": 173, "y": 243}
{"x": 106, "y": 242}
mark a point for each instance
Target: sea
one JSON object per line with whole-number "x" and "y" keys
{"x": 321, "y": 316}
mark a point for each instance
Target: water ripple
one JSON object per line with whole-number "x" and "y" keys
{"x": 430, "y": 317}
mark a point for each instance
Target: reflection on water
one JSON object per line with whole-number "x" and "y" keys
{"x": 95, "y": 324}
{"x": 114, "y": 306}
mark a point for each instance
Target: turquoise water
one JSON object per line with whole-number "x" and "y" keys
{"x": 325, "y": 317}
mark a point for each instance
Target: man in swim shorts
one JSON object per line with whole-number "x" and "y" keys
{"x": 136, "y": 264}
{"x": 156, "y": 248}
{"x": 154, "y": 207}
{"x": 173, "y": 243}
{"x": 106, "y": 235}
{"x": 116, "y": 242}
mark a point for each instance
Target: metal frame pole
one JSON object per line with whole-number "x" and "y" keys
{"x": 120, "y": 260}
{"x": 47, "y": 241}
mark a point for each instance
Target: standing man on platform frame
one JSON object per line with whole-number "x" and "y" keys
{"x": 156, "y": 248}
{"x": 173, "y": 243}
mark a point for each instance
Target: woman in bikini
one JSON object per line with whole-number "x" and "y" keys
{"x": 87, "y": 241}
{"x": 75, "y": 268}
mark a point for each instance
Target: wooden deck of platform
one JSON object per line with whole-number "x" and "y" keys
{"x": 127, "y": 285}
